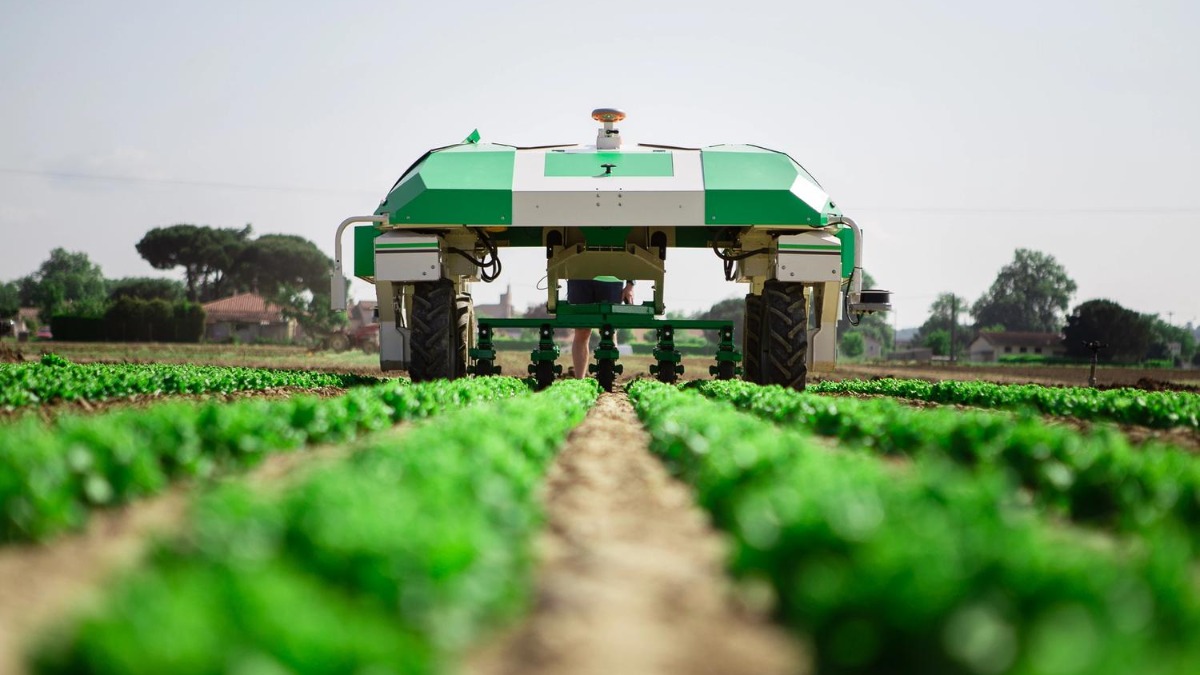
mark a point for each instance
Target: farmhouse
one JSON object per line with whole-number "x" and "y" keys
{"x": 996, "y": 345}
{"x": 247, "y": 317}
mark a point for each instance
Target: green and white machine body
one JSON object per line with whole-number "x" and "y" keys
{"x": 609, "y": 210}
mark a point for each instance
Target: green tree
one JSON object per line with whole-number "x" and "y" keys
{"x": 853, "y": 345}
{"x": 146, "y": 288}
{"x": 1126, "y": 333}
{"x": 874, "y": 326}
{"x": 938, "y": 341}
{"x": 66, "y": 282}
{"x": 1029, "y": 294}
{"x": 281, "y": 262}
{"x": 730, "y": 309}
{"x": 206, "y": 255}
{"x": 1162, "y": 334}
{"x": 935, "y": 332}
{"x": 10, "y": 299}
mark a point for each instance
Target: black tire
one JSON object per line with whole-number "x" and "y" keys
{"x": 464, "y": 316}
{"x": 606, "y": 374}
{"x": 752, "y": 342}
{"x": 785, "y": 335}
{"x": 434, "y": 332}
{"x": 339, "y": 342}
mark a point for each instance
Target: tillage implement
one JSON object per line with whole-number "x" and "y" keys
{"x": 612, "y": 211}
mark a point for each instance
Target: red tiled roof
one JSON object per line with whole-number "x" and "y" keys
{"x": 242, "y": 307}
{"x": 1022, "y": 339}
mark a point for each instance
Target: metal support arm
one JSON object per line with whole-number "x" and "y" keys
{"x": 337, "y": 283}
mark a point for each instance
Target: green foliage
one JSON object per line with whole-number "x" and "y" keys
{"x": 938, "y": 341}
{"x": 207, "y": 256}
{"x": 1160, "y": 409}
{"x": 1163, "y": 334}
{"x": 66, "y": 282}
{"x": 932, "y": 566}
{"x": 51, "y": 475}
{"x": 1126, "y": 332}
{"x": 935, "y": 332}
{"x": 1029, "y": 294}
{"x": 56, "y": 379}
{"x": 384, "y": 563}
{"x": 10, "y": 299}
{"x": 730, "y": 309}
{"x": 146, "y": 288}
{"x": 853, "y": 345}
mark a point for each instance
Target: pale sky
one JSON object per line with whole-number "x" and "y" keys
{"x": 953, "y": 132}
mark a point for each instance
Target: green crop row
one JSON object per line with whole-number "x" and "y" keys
{"x": 924, "y": 566}
{"x": 1159, "y": 409}
{"x": 51, "y": 475}
{"x": 56, "y": 379}
{"x": 385, "y": 563}
{"x": 1095, "y": 477}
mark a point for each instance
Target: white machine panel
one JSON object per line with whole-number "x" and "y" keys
{"x": 404, "y": 256}
{"x": 809, "y": 257}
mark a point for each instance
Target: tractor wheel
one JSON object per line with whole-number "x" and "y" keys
{"x": 606, "y": 374}
{"x": 339, "y": 342}
{"x": 464, "y": 314}
{"x": 752, "y": 343}
{"x": 435, "y": 334}
{"x": 784, "y": 335}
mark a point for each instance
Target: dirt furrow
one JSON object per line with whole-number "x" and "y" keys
{"x": 42, "y": 582}
{"x": 632, "y": 576}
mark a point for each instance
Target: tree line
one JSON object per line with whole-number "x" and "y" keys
{"x": 288, "y": 270}
{"x": 1032, "y": 294}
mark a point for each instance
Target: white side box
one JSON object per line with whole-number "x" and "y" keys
{"x": 404, "y": 256}
{"x": 809, "y": 257}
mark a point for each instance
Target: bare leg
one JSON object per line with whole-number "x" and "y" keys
{"x": 579, "y": 351}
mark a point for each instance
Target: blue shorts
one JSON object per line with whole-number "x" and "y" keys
{"x": 589, "y": 291}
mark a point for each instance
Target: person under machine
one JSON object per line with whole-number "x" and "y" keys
{"x": 590, "y": 291}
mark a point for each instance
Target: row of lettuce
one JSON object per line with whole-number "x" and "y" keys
{"x": 1159, "y": 409}
{"x": 919, "y": 544}
{"x": 388, "y": 562}
{"x": 54, "y": 379}
{"x": 52, "y": 475}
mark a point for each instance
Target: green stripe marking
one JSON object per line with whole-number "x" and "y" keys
{"x": 811, "y": 247}
{"x": 408, "y": 245}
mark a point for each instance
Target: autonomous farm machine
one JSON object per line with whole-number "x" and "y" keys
{"x": 608, "y": 210}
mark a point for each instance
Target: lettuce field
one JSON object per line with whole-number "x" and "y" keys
{"x": 389, "y": 527}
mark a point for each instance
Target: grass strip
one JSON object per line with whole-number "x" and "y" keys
{"x": 57, "y": 379}
{"x": 1158, "y": 409}
{"x": 1095, "y": 478}
{"x": 389, "y": 562}
{"x": 52, "y": 475}
{"x": 924, "y": 567}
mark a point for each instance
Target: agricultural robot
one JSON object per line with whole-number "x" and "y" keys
{"x": 608, "y": 210}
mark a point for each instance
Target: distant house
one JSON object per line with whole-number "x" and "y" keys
{"x": 247, "y": 317}
{"x": 872, "y": 348}
{"x": 26, "y": 319}
{"x": 918, "y": 354}
{"x": 994, "y": 346}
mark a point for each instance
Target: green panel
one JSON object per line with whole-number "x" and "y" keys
{"x": 519, "y": 236}
{"x": 847, "y": 236}
{"x": 614, "y": 237}
{"x": 749, "y": 186}
{"x": 576, "y": 164}
{"x": 692, "y": 237}
{"x": 463, "y": 185}
{"x": 364, "y": 250}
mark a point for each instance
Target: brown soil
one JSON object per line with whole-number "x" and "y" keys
{"x": 49, "y": 411}
{"x": 1069, "y": 376}
{"x": 631, "y": 577}
{"x": 45, "y": 582}
{"x": 11, "y": 354}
